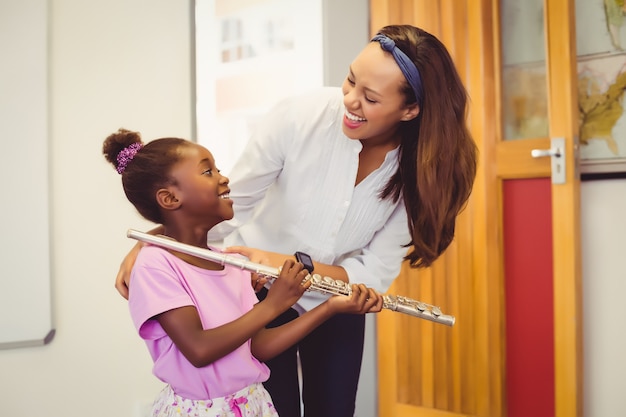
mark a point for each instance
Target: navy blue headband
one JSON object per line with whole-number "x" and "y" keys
{"x": 408, "y": 68}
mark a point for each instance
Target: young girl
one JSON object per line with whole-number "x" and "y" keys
{"x": 201, "y": 321}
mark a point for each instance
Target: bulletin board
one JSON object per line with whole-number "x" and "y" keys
{"x": 25, "y": 278}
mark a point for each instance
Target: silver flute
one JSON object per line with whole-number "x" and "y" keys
{"x": 325, "y": 285}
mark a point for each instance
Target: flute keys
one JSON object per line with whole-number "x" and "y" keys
{"x": 341, "y": 285}
{"x": 390, "y": 302}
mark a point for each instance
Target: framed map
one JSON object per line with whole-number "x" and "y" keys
{"x": 601, "y": 43}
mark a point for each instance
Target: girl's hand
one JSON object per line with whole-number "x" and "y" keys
{"x": 258, "y": 282}
{"x": 362, "y": 300}
{"x": 289, "y": 286}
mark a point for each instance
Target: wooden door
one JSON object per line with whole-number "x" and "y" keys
{"x": 512, "y": 276}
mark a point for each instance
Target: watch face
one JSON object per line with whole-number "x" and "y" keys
{"x": 305, "y": 260}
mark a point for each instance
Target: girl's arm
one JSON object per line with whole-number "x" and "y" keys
{"x": 268, "y": 343}
{"x": 202, "y": 347}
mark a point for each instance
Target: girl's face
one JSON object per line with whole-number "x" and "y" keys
{"x": 201, "y": 189}
{"x": 373, "y": 97}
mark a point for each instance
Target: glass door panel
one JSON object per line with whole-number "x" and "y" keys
{"x": 524, "y": 74}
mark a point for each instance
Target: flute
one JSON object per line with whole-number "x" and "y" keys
{"x": 325, "y": 285}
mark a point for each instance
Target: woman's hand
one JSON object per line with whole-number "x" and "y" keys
{"x": 122, "y": 281}
{"x": 260, "y": 257}
{"x": 362, "y": 300}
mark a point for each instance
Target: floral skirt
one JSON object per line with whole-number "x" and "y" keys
{"x": 252, "y": 401}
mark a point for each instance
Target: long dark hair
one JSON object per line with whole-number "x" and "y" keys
{"x": 438, "y": 156}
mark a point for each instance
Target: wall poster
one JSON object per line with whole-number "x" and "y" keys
{"x": 601, "y": 50}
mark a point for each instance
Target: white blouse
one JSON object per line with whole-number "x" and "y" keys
{"x": 293, "y": 190}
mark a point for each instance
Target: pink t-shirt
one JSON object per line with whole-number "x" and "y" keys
{"x": 161, "y": 282}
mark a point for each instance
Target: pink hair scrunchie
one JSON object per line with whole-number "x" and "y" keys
{"x": 126, "y": 155}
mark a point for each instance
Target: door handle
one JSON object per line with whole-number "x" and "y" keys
{"x": 557, "y": 158}
{"x": 540, "y": 153}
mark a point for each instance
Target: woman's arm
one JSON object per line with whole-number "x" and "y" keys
{"x": 268, "y": 343}
{"x": 204, "y": 346}
{"x": 122, "y": 280}
{"x": 376, "y": 265}
{"x": 273, "y": 258}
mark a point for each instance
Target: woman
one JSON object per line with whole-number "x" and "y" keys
{"x": 354, "y": 177}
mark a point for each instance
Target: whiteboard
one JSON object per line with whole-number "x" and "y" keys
{"x": 25, "y": 284}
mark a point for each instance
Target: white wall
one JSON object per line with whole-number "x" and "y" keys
{"x": 112, "y": 63}
{"x": 603, "y": 232}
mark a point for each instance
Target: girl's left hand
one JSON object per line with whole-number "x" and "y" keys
{"x": 362, "y": 300}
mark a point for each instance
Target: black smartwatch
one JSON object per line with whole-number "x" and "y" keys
{"x": 305, "y": 260}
